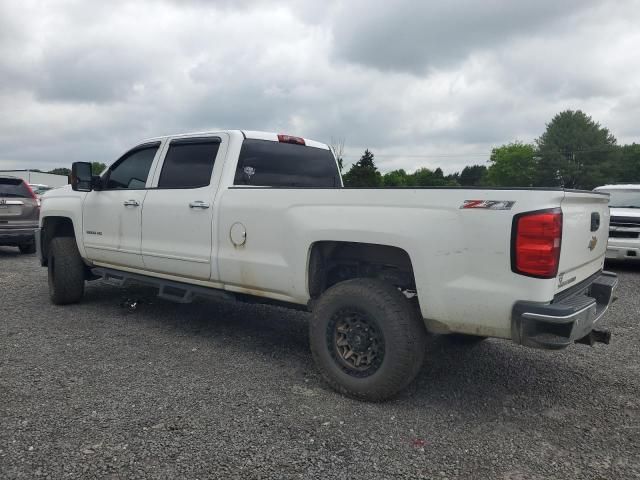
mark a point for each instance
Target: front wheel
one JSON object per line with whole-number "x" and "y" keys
{"x": 66, "y": 271}
{"x": 367, "y": 339}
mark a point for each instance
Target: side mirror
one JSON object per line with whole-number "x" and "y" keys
{"x": 81, "y": 178}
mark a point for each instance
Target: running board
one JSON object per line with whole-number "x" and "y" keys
{"x": 169, "y": 290}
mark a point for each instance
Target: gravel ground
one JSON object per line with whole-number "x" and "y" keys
{"x": 223, "y": 390}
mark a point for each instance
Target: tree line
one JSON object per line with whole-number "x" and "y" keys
{"x": 573, "y": 152}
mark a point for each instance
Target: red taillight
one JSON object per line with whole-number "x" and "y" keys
{"x": 535, "y": 249}
{"x": 289, "y": 139}
{"x": 33, "y": 195}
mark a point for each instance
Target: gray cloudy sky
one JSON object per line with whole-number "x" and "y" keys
{"x": 420, "y": 83}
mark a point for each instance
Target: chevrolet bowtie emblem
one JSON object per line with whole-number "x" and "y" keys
{"x": 593, "y": 243}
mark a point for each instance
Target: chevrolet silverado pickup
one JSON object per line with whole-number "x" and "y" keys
{"x": 258, "y": 216}
{"x": 624, "y": 227}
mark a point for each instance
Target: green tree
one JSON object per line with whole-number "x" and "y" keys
{"x": 60, "y": 171}
{"x": 395, "y": 178}
{"x": 627, "y": 167}
{"x": 575, "y": 152}
{"x": 423, "y": 177}
{"x": 363, "y": 173}
{"x": 97, "y": 168}
{"x": 512, "y": 165}
{"x": 453, "y": 178}
{"x": 472, "y": 175}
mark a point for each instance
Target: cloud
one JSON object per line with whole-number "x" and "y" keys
{"x": 415, "y": 36}
{"x": 421, "y": 84}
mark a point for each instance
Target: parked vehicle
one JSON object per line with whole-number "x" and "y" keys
{"x": 624, "y": 229}
{"x": 264, "y": 217}
{"x": 39, "y": 189}
{"x": 19, "y": 210}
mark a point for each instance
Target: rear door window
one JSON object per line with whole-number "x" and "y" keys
{"x": 132, "y": 170}
{"x": 13, "y": 188}
{"x": 275, "y": 164}
{"x": 189, "y": 163}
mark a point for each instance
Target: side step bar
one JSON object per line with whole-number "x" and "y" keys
{"x": 167, "y": 289}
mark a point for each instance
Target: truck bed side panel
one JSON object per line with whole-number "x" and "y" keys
{"x": 460, "y": 257}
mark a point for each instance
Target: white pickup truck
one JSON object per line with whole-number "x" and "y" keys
{"x": 261, "y": 216}
{"x": 624, "y": 228}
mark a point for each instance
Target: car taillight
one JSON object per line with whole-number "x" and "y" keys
{"x": 535, "y": 245}
{"x": 290, "y": 139}
{"x": 33, "y": 195}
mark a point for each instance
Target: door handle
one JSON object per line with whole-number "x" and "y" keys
{"x": 198, "y": 204}
{"x": 131, "y": 203}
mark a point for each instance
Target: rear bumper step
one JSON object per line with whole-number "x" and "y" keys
{"x": 570, "y": 319}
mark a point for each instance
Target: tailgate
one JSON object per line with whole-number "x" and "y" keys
{"x": 585, "y": 230}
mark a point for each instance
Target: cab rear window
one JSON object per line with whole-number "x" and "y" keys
{"x": 14, "y": 188}
{"x": 274, "y": 164}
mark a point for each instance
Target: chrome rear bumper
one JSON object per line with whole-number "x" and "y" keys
{"x": 568, "y": 318}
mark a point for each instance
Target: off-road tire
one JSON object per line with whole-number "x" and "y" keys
{"x": 66, "y": 271}
{"x": 395, "y": 316}
{"x": 27, "y": 248}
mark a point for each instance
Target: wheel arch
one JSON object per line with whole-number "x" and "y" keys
{"x": 330, "y": 262}
{"x": 55, "y": 226}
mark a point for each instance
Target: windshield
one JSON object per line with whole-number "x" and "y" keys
{"x": 623, "y": 198}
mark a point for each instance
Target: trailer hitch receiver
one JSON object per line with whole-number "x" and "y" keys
{"x": 596, "y": 336}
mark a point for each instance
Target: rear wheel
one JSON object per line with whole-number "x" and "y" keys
{"x": 367, "y": 339}
{"x": 66, "y": 271}
{"x": 27, "y": 248}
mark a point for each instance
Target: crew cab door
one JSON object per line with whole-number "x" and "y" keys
{"x": 177, "y": 216}
{"x": 111, "y": 216}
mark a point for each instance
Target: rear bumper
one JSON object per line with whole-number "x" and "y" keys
{"x": 16, "y": 236}
{"x": 570, "y": 317}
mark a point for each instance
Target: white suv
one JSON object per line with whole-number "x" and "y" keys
{"x": 624, "y": 229}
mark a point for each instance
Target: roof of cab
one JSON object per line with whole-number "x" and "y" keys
{"x": 251, "y": 134}
{"x": 258, "y": 135}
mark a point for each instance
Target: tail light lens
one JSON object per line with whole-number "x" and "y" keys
{"x": 33, "y": 195}
{"x": 30, "y": 190}
{"x": 535, "y": 246}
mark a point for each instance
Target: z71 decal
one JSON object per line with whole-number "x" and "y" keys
{"x": 488, "y": 204}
